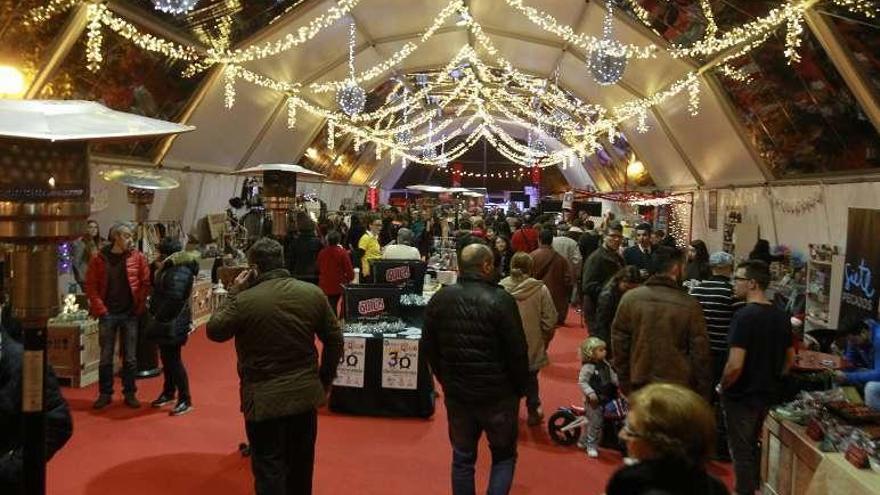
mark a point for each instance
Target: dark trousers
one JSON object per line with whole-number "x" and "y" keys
{"x": 127, "y": 327}
{"x": 334, "y": 303}
{"x": 722, "y": 451}
{"x": 176, "y": 379}
{"x": 744, "y": 421}
{"x": 467, "y": 423}
{"x": 283, "y": 453}
{"x": 533, "y": 400}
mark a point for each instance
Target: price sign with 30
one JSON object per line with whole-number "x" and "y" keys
{"x": 400, "y": 363}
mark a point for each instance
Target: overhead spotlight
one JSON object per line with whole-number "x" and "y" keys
{"x": 312, "y": 153}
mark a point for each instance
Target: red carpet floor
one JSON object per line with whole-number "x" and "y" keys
{"x": 145, "y": 451}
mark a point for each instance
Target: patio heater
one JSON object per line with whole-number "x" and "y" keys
{"x": 141, "y": 186}
{"x": 44, "y": 200}
{"x": 279, "y": 190}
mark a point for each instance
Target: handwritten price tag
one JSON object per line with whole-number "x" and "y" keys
{"x": 350, "y": 372}
{"x": 400, "y": 363}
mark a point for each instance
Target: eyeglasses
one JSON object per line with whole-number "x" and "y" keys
{"x": 629, "y": 432}
{"x": 741, "y": 278}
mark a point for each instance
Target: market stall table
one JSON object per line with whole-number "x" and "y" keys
{"x": 792, "y": 464}
{"x": 383, "y": 376}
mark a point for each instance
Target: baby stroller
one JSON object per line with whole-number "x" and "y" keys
{"x": 564, "y": 425}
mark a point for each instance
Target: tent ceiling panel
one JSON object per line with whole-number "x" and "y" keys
{"x": 527, "y": 56}
{"x": 283, "y": 145}
{"x": 435, "y": 53}
{"x": 224, "y": 135}
{"x": 658, "y": 153}
{"x": 646, "y": 75}
{"x": 497, "y": 14}
{"x": 574, "y": 76}
{"x": 710, "y": 140}
{"x": 388, "y": 18}
{"x": 339, "y": 72}
{"x": 330, "y": 45}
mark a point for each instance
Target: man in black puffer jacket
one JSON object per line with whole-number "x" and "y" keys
{"x": 59, "y": 425}
{"x": 173, "y": 278}
{"x": 475, "y": 343}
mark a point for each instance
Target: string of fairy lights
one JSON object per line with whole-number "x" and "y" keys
{"x": 490, "y": 96}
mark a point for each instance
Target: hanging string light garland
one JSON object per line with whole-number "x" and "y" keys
{"x": 351, "y": 98}
{"x": 795, "y": 207}
{"x": 607, "y": 63}
{"x": 175, "y": 7}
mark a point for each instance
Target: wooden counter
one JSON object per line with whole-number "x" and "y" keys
{"x": 792, "y": 464}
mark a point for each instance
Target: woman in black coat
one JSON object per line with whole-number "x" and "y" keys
{"x": 624, "y": 280}
{"x": 171, "y": 314}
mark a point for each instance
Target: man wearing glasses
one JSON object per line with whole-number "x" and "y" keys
{"x": 760, "y": 354}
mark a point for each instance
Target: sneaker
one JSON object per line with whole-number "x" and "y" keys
{"x": 582, "y": 445}
{"x": 163, "y": 400}
{"x": 592, "y": 453}
{"x": 182, "y": 407}
{"x": 103, "y": 401}
{"x": 629, "y": 461}
{"x": 132, "y": 401}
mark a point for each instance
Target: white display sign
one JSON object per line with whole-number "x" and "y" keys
{"x": 400, "y": 363}
{"x": 350, "y": 372}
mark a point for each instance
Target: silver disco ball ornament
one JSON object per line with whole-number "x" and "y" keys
{"x": 539, "y": 148}
{"x": 607, "y": 65}
{"x": 351, "y": 99}
{"x": 430, "y": 154}
{"x": 175, "y": 7}
{"x": 403, "y": 137}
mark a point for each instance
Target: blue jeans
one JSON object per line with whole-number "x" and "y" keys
{"x": 872, "y": 395}
{"x": 466, "y": 424}
{"x": 127, "y": 326}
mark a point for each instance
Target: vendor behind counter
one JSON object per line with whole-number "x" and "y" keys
{"x": 863, "y": 353}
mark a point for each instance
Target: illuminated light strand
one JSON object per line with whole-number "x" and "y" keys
{"x": 640, "y": 12}
{"x": 793, "y": 31}
{"x": 229, "y": 74}
{"x": 94, "y": 38}
{"x": 291, "y": 113}
{"x": 272, "y": 48}
{"x": 43, "y": 13}
{"x": 868, "y": 8}
{"x": 144, "y": 41}
{"x": 583, "y": 41}
{"x": 733, "y": 73}
{"x": 331, "y": 135}
{"x": 694, "y": 97}
{"x": 742, "y": 34}
{"x": 711, "y": 26}
{"x": 398, "y": 57}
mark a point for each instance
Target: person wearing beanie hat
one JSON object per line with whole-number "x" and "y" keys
{"x": 716, "y": 297}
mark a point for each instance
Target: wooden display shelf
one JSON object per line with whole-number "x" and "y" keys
{"x": 74, "y": 352}
{"x": 202, "y": 302}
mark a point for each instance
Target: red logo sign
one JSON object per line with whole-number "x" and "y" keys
{"x": 397, "y": 274}
{"x": 371, "y": 306}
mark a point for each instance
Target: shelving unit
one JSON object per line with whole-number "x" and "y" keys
{"x": 824, "y": 287}
{"x": 731, "y": 220}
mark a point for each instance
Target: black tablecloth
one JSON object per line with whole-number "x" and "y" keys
{"x": 374, "y": 400}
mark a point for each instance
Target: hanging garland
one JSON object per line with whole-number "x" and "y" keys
{"x": 794, "y": 207}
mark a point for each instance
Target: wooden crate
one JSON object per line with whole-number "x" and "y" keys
{"x": 74, "y": 352}
{"x": 202, "y": 304}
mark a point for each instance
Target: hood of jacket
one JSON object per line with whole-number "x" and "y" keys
{"x": 521, "y": 288}
{"x": 184, "y": 257}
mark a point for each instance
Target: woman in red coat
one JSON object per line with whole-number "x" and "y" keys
{"x": 334, "y": 269}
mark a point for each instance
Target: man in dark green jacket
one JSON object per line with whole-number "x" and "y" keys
{"x": 274, "y": 319}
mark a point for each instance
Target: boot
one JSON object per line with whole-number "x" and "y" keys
{"x": 103, "y": 401}
{"x": 132, "y": 401}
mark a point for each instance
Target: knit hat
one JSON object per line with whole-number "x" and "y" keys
{"x": 720, "y": 259}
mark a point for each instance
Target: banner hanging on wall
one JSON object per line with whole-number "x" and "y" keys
{"x": 860, "y": 295}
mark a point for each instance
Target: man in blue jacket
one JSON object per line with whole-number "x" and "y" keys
{"x": 863, "y": 352}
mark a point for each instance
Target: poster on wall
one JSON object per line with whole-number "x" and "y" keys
{"x": 400, "y": 363}
{"x": 859, "y": 298}
{"x": 713, "y": 210}
{"x": 350, "y": 372}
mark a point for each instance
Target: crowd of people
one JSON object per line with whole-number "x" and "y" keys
{"x": 676, "y": 352}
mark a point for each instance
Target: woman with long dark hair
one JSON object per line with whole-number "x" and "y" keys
{"x": 626, "y": 279}
{"x": 503, "y": 254}
{"x": 698, "y": 261}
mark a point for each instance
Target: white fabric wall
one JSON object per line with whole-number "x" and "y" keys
{"x": 199, "y": 194}
{"x": 823, "y": 224}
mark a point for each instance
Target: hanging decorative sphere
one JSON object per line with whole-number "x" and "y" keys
{"x": 430, "y": 154}
{"x": 175, "y": 7}
{"x": 403, "y": 137}
{"x": 351, "y": 99}
{"x": 607, "y": 64}
{"x": 539, "y": 148}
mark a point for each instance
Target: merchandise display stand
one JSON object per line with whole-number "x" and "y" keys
{"x": 824, "y": 287}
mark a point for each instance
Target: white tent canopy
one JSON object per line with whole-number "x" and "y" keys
{"x": 679, "y": 150}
